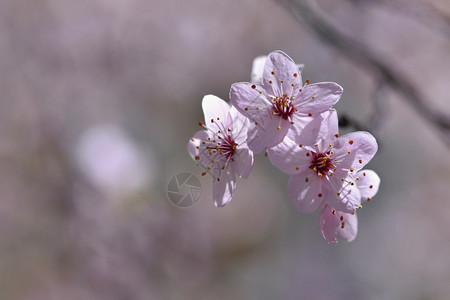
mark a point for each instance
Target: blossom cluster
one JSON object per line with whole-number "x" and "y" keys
{"x": 295, "y": 124}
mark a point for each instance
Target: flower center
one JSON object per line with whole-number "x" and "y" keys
{"x": 227, "y": 147}
{"x": 221, "y": 150}
{"x": 321, "y": 163}
{"x": 283, "y": 107}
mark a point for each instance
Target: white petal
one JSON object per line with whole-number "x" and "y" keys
{"x": 240, "y": 124}
{"x": 243, "y": 161}
{"x": 343, "y": 196}
{"x": 328, "y": 224}
{"x": 224, "y": 187}
{"x": 305, "y": 192}
{"x": 318, "y": 97}
{"x": 335, "y": 225}
{"x": 362, "y": 146}
{"x": 248, "y": 100}
{"x": 321, "y": 127}
{"x": 289, "y": 157}
{"x": 198, "y": 154}
{"x": 214, "y": 109}
{"x": 368, "y": 184}
{"x": 281, "y": 75}
{"x": 258, "y": 68}
{"x": 270, "y": 132}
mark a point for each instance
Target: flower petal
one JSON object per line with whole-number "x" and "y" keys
{"x": 318, "y": 97}
{"x": 198, "y": 154}
{"x": 258, "y": 68}
{"x": 335, "y": 225}
{"x": 281, "y": 75}
{"x": 368, "y": 184}
{"x": 240, "y": 125}
{"x": 270, "y": 132}
{"x": 362, "y": 146}
{"x": 330, "y": 131}
{"x": 321, "y": 127}
{"x": 243, "y": 161}
{"x": 344, "y": 194}
{"x": 328, "y": 224}
{"x": 289, "y": 157}
{"x": 350, "y": 230}
{"x": 248, "y": 100}
{"x": 305, "y": 192}
{"x": 214, "y": 109}
{"x": 224, "y": 187}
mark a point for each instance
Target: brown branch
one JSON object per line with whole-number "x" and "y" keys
{"x": 313, "y": 19}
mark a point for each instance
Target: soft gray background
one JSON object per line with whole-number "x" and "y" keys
{"x": 97, "y": 102}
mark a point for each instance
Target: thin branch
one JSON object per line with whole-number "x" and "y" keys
{"x": 425, "y": 13}
{"x": 310, "y": 15}
{"x": 377, "y": 117}
{"x": 380, "y": 109}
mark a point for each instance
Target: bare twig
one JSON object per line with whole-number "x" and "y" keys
{"x": 421, "y": 11}
{"x": 377, "y": 117}
{"x": 380, "y": 109}
{"x": 310, "y": 15}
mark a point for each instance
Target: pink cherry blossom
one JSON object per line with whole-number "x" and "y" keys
{"x": 222, "y": 148}
{"x": 323, "y": 165}
{"x": 280, "y": 104}
{"x": 335, "y": 225}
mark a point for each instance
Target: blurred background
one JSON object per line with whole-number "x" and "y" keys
{"x": 99, "y": 98}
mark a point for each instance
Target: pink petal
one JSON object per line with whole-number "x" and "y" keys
{"x": 350, "y": 230}
{"x": 328, "y": 224}
{"x": 362, "y": 146}
{"x": 243, "y": 161}
{"x": 343, "y": 196}
{"x": 289, "y": 157}
{"x": 240, "y": 125}
{"x": 331, "y": 128}
{"x": 246, "y": 98}
{"x": 194, "y": 142}
{"x": 214, "y": 109}
{"x": 268, "y": 133}
{"x": 332, "y": 228}
{"x": 321, "y": 127}
{"x": 280, "y": 73}
{"x": 305, "y": 192}
{"x": 368, "y": 184}
{"x": 298, "y": 132}
{"x": 223, "y": 189}
{"x": 258, "y": 68}
{"x": 325, "y": 94}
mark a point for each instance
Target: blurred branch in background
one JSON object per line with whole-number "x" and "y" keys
{"x": 310, "y": 15}
{"x": 427, "y": 13}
